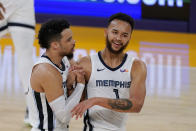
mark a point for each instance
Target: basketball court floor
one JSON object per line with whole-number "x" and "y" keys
{"x": 170, "y": 103}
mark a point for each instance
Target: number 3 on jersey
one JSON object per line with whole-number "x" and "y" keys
{"x": 116, "y": 93}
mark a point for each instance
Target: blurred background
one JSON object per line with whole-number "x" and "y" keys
{"x": 164, "y": 38}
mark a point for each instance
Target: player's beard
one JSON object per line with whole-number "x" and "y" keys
{"x": 109, "y": 46}
{"x": 70, "y": 56}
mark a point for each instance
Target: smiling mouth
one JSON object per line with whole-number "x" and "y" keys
{"x": 116, "y": 44}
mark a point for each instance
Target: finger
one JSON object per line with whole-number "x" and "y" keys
{"x": 83, "y": 73}
{"x": 70, "y": 69}
{"x": 77, "y": 67}
{"x": 80, "y": 71}
{"x": 80, "y": 79}
{"x": 75, "y": 108}
{"x": 74, "y": 67}
{"x": 81, "y": 115}
{"x": 74, "y": 111}
{"x": 79, "y": 112}
{"x": 78, "y": 75}
{"x": 77, "y": 117}
{"x": 72, "y": 76}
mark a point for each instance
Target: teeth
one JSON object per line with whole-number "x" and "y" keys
{"x": 117, "y": 43}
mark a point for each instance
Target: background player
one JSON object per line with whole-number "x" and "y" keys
{"x": 17, "y": 17}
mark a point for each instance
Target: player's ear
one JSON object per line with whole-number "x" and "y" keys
{"x": 54, "y": 45}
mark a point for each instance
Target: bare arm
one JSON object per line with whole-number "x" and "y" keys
{"x": 45, "y": 78}
{"x": 137, "y": 91}
{"x": 85, "y": 63}
{"x": 133, "y": 104}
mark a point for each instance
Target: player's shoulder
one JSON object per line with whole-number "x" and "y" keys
{"x": 44, "y": 70}
{"x": 138, "y": 62}
{"x": 138, "y": 66}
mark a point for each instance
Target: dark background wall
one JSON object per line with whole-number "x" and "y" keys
{"x": 192, "y": 19}
{"x": 188, "y": 26}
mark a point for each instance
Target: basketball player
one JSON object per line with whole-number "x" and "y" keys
{"x": 17, "y": 18}
{"x": 116, "y": 80}
{"x": 50, "y": 106}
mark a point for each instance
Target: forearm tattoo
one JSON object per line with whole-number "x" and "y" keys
{"x": 120, "y": 104}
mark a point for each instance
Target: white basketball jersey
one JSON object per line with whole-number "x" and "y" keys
{"x": 111, "y": 83}
{"x": 40, "y": 114}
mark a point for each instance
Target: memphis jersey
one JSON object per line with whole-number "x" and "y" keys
{"x": 111, "y": 83}
{"x": 40, "y": 114}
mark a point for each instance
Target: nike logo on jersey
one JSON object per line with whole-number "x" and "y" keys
{"x": 100, "y": 69}
{"x": 124, "y": 70}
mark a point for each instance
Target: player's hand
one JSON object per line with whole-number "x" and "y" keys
{"x": 75, "y": 76}
{"x": 80, "y": 76}
{"x": 1, "y": 8}
{"x": 71, "y": 79}
{"x": 75, "y": 67}
{"x": 79, "y": 109}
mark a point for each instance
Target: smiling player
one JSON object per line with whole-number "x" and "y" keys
{"x": 116, "y": 80}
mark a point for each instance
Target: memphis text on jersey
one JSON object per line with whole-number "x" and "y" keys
{"x": 109, "y": 83}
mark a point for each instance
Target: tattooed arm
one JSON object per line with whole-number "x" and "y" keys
{"x": 120, "y": 104}
{"x": 137, "y": 91}
{"x": 132, "y": 104}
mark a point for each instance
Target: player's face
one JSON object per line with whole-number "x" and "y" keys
{"x": 67, "y": 43}
{"x": 118, "y": 35}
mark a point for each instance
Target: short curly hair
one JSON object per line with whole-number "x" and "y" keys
{"x": 123, "y": 17}
{"x": 51, "y": 31}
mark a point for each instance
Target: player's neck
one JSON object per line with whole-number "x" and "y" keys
{"x": 55, "y": 58}
{"x": 112, "y": 59}
{"x": 109, "y": 55}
